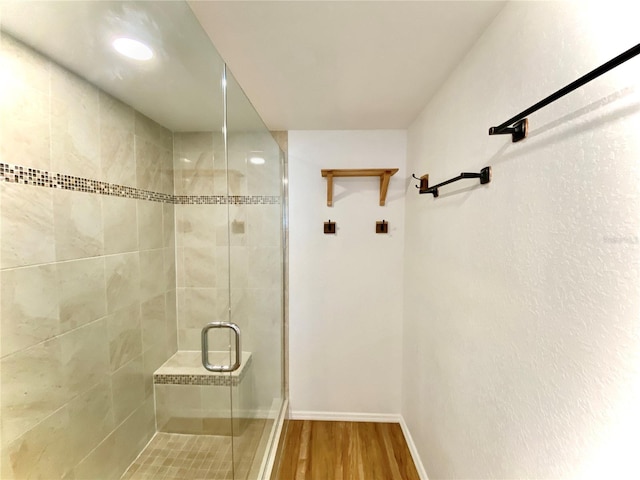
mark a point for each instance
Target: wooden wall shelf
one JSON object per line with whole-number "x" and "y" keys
{"x": 384, "y": 173}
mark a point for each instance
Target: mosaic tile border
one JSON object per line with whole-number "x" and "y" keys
{"x": 223, "y": 199}
{"x": 222, "y": 379}
{"x": 42, "y": 178}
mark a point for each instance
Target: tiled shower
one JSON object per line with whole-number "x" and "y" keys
{"x": 120, "y": 239}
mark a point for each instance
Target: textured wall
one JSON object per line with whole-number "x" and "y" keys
{"x": 346, "y": 289}
{"x": 522, "y": 297}
{"x": 87, "y": 272}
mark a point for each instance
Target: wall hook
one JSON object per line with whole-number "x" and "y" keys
{"x": 329, "y": 227}
{"x": 424, "y": 182}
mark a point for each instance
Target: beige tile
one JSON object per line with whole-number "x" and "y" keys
{"x": 85, "y": 356}
{"x": 266, "y": 267}
{"x": 199, "y": 267}
{"x": 194, "y": 172}
{"x": 166, "y": 172}
{"x": 152, "y": 278}
{"x": 153, "y": 322}
{"x": 199, "y": 306}
{"x": 29, "y": 307}
{"x": 193, "y": 141}
{"x": 197, "y": 225}
{"x": 91, "y": 419}
{"x": 22, "y": 65}
{"x": 264, "y": 226}
{"x": 125, "y": 336}
{"x": 168, "y": 225}
{"x": 172, "y": 321}
{"x": 169, "y": 268}
{"x": 150, "y": 234}
{"x": 123, "y": 281}
{"x": 75, "y": 132}
{"x": 149, "y": 130}
{"x": 134, "y": 433}
{"x": 120, "y": 224}
{"x": 239, "y": 262}
{"x": 102, "y": 463}
{"x": 33, "y": 387}
{"x": 149, "y": 157}
{"x": 24, "y": 108}
{"x": 27, "y": 225}
{"x": 78, "y": 225}
{"x": 175, "y": 402}
{"x": 42, "y": 452}
{"x": 189, "y": 338}
{"x": 153, "y": 358}
{"x": 117, "y": 141}
{"x": 81, "y": 289}
{"x": 128, "y": 389}
{"x": 117, "y": 156}
{"x": 216, "y": 401}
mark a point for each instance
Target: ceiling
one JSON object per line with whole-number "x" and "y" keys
{"x": 327, "y": 65}
{"x": 310, "y": 65}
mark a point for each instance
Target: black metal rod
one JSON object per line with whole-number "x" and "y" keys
{"x": 484, "y": 176}
{"x": 611, "y": 64}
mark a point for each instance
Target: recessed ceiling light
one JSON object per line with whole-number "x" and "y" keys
{"x": 132, "y": 48}
{"x": 257, "y": 160}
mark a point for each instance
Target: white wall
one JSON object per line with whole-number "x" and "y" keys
{"x": 345, "y": 289}
{"x": 522, "y": 297}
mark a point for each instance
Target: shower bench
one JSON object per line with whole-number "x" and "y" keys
{"x": 190, "y": 399}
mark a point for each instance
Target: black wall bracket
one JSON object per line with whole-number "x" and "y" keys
{"x": 484, "y": 176}
{"x": 517, "y": 126}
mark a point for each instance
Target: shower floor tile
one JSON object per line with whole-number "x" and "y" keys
{"x": 196, "y": 457}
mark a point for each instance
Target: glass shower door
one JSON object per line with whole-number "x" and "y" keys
{"x": 255, "y": 279}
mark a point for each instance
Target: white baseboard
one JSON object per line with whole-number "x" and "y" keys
{"x": 422, "y": 472}
{"x": 345, "y": 416}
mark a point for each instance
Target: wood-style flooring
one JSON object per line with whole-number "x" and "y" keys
{"x": 316, "y": 450}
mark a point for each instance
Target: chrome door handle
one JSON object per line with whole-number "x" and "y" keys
{"x": 205, "y": 347}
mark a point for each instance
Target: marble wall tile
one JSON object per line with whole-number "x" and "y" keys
{"x": 78, "y": 225}
{"x": 81, "y": 290}
{"x": 239, "y": 267}
{"x": 152, "y": 278}
{"x": 122, "y": 273}
{"x": 153, "y": 322}
{"x": 40, "y": 453}
{"x": 120, "y": 224}
{"x": 102, "y": 462}
{"x": 171, "y": 312}
{"x": 91, "y": 419}
{"x": 33, "y": 387}
{"x": 117, "y": 141}
{"x": 193, "y": 142}
{"x": 29, "y": 309}
{"x": 27, "y": 226}
{"x": 198, "y": 267}
{"x": 152, "y": 359}
{"x": 266, "y": 266}
{"x": 25, "y": 106}
{"x": 169, "y": 268}
{"x": 150, "y": 234}
{"x": 134, "y": 433}
{"x": 199, "y": 306}
{"x": 149, "y": 161}
{"x": 197, "y": 225}
{"x": 85, "y": 357}
{"x": 166, "y": 171}
{"x": 178, "y": 402}
{"x": 168, "y": 225}
{"x": 264, "y": 226}
{"x": 194, "y": 172}
{"x": 147, "y": 129}
{"x": 128, "y": 389}
{"x": 75, "y": 126}
{"x": 125, "y": 336}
